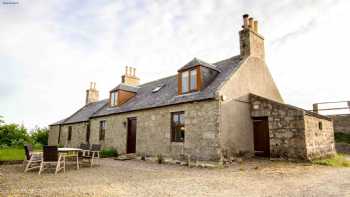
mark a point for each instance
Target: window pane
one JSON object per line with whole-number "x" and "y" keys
{"x": 112, "y": 98}
{"x": 115, "y": 98}
{"x": 178, "y": 127}
{"x": 184, "y": 78}
{"x": 181, "y": 119}
{"x": 193, "y": 85}
{"x": 175, "y": 118}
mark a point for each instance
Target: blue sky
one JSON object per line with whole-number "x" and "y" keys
{"x": 51, "y": 50}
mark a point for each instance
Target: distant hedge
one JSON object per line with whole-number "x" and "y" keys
{"x": 17, "y": 135}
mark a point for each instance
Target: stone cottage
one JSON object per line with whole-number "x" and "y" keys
{"x": 208, "y": 111}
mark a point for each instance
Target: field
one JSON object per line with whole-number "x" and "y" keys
{"x": 14, "y": 153}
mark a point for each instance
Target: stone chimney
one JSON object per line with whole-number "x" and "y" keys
{"x": 251, "y": 42}
{"x": 315, "y": 107}
{"x": 129, "y": 78}
{"x": 91, "y": 94}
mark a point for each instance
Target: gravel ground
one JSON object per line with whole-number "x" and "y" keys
{"x": 139, "y": 178}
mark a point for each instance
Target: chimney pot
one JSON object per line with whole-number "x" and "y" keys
{"x": 256, "y": 26}
{"x": 251, "y": 23}
{"x": 130, "y": 71}
{"x": 245, "y": 21}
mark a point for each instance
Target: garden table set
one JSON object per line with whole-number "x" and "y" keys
{"x": 57, "y": 156}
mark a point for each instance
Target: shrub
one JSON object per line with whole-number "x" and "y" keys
{"x": 109, "y": 152}
{"x": 342, "y": 138}
{"x": 40, "y": 135}
{"x": 13, "y": 135}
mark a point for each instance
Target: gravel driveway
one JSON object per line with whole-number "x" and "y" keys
{"x": 139, "y": 178}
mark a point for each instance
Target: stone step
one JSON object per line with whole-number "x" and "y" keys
{"x": 126, "y": 157}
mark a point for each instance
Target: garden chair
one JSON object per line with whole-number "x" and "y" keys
{"x": 85, "y": 149}
{"x": 33, "y": 159}
{"x": 51, "y": 156}
{"x": 93, "y": 154}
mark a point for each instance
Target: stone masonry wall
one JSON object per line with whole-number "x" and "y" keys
{"x": 78, "y": 134}
{"x": 319, "y": 137}
{"x": 341, "y": 123}
{"x": 53, "y": 134}
{"x": 286, "y": 127}
{"x": 154, "y": 131}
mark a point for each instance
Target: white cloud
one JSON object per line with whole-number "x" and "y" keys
{"x": 50, "y": 50}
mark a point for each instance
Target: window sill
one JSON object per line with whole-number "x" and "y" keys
{"x": 177, "y": 143}
{"x": 188, "y": 94}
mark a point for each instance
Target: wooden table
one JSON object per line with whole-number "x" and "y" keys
{"x": 71, "y": 152}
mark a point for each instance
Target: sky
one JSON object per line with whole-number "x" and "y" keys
{"x": 51, "y": 50}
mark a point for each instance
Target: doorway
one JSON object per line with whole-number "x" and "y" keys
{"x": 131, "y": 135}
{"x": 261, "y": 137}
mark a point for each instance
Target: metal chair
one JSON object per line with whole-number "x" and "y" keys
{"x": 93, "y": 154}
{"x": 85, "y": 149}
{"x": 33, "y": 159}
{"x": 51, "y": 156}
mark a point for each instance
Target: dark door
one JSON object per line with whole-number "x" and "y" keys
{"x": 261, "y": 137}
{"x": 131, "y": 137}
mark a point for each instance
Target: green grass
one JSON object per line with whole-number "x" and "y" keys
{"x": 10, "y": 154}
{"x": 14, "y": 153}
{"x": 338, "y": 160}
{"x": 342, "y": 138}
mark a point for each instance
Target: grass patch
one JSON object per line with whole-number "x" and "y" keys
{"x": 338, "y": 160}
{"x": 342, "y": 138}
{"x": 14, "y": 153}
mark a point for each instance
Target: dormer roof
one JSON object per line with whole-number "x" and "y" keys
{"x": 125, "y": 87}
{"x": 195, "y": 62}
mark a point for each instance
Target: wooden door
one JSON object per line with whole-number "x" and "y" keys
{"x": 261, "y": 137}
{"x": 131, "y": 137}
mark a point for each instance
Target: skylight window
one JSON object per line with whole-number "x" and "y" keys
{"x": 157, "y": 88}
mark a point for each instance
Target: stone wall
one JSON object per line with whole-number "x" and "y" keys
{"x": 286, "y": 127}
{"x": 78, "y": 134}
{"x": 319, "y": 137}
{"x": 341, "y": 123}
{"x": 53, "y": 134}
{"x": 154, "y": 131}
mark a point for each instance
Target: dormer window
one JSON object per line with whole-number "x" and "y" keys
{"x": 114, "y": 99}
{"x": 195, "y": 75}
{"x": 121, "y": 94}
{"x": 189, "y": 82}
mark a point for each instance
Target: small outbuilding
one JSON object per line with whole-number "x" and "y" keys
{"x": 285, "y": 131}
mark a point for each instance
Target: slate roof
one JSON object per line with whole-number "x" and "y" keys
{"x": 196, "y": 62}
{"x": 167, "y": 95}
{"x": 84, "y": 113}
{"x": 125, "y": 87}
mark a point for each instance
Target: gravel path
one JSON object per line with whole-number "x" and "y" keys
{"x": 139, "y": 178}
